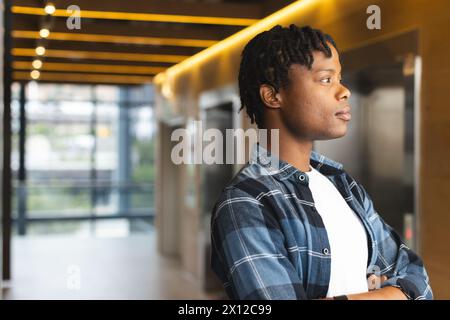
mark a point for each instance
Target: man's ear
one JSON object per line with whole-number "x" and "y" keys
{"x": 269, "y": 96}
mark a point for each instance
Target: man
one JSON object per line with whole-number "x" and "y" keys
{"x": 303, "y": 229}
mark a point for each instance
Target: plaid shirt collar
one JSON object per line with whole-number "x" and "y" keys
{"x": 283, "y": 170}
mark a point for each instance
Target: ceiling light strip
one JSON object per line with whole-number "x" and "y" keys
{"x": 140, "y": 16}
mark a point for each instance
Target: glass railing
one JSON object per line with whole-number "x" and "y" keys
{"x": 80, "y": 201}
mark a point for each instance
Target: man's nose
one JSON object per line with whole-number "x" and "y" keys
{"x": 344, "y": 93}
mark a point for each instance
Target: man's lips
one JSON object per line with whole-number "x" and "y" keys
{"x": 344, "y": 114}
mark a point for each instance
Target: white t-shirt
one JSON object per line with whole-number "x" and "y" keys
{"x": 346, "y": 234}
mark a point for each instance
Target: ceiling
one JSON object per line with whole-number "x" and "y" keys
{"x": 122, "y": 42}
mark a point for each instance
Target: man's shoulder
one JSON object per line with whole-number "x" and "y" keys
{"x": 251, "y": 180}
{"x": 246, "y": 187}
{"x": 246, "y": 194}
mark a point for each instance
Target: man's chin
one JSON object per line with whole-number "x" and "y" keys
{"x": 334, "y": 135}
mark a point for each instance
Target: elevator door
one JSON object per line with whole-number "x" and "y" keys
{"x": 378, "y": 149}
{"x": 214, "y": 178}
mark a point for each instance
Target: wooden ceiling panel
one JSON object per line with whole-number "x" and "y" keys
{"x": 126, "y": 47}
{"x": 131, "y": 28}
{"x": 94, "y": 61}
{"x": 107, "y": 47}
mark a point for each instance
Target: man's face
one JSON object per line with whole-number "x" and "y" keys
{"x": 315, "y": 104}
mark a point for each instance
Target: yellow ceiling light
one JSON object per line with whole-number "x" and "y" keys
{"x": 36, "y": 64}
{"x": 236, "y": 40}
{"x": 35, "y": 74}
{"x": 92, "y": 68}
{"x": 44, "y": 33}
{"x": 99, "y": 55}
{"x": 49, "y": 9}
{"x": 40, "y": 51}
{"x": 83, "y": 77}
{"x": 140, "y": 16}
{"x": 66, "y": 36}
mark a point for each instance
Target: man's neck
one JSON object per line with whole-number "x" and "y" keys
{"x": 294, "y": 151}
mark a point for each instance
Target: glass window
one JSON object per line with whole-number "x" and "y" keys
{"x": 89, "y": 152}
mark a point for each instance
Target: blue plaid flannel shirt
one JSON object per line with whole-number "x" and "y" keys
{"x": 269, "y": 242}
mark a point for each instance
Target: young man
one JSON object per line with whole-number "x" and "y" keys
{"x": 303, "y": 229}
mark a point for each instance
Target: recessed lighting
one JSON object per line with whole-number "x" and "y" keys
{"x": 40, "y": 51}
{"x": 50, "y": 9}
{"x": 37, "y": 64}
{"x": 35, "y": 74}
{"x": 44, "y": 33}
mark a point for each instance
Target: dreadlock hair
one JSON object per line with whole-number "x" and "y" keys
{"x": 266, "y": 59}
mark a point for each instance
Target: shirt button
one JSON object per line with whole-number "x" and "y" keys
{"x": 301, "y": 177}
{"x": 326, "y": 251}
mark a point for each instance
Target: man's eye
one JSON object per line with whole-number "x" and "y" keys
{"x": 326, "y": 80}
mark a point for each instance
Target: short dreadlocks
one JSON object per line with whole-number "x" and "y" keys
{"x": 266, "y": 59}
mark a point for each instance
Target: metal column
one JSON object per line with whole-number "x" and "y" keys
{"x": 6, "y": 179}
{"x": 124, "y": 152}
{"x": 22, "y": 190}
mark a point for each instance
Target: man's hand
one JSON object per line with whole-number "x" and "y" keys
{"x": 386, "y": 293}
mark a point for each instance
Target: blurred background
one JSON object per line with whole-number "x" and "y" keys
{"x": 92, "y": 205}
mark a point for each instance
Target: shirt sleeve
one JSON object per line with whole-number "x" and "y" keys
{"x": 402, "y": 266}
{"x": 248, "y": 253}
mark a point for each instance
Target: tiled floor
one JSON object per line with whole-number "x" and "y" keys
{"x": 53, "y": 267}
